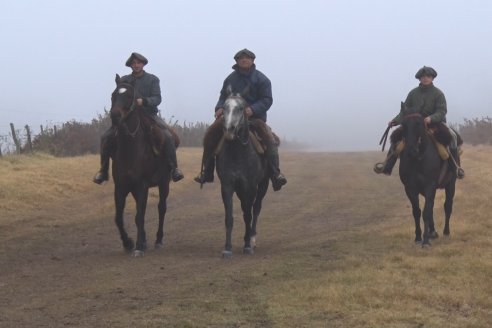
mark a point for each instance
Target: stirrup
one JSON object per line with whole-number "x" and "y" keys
{"x": 278, "y": 182}
{"x": 379, "y": 169}
{"x": 177, "y": 175}
{"x": 100, "y": 177}
{"x": 203, "y": 178}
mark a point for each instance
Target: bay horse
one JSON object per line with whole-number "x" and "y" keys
{"x": 422, "y": 171}
{"x": 241, "y": 170}
{"x": 135, "y": 167}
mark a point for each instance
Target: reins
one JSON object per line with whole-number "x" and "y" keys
{"x": 384, "y": 137}
{"x": 132, "y": 109}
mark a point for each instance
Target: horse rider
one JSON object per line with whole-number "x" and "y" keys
{"x": 432, "y": 106}
{"x": 148, "y": 97}
{"x": 258, "y": 94}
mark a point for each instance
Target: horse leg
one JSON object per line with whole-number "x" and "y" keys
{"x": 120, "y": 200}
{"x": 140, "y": 197}
{"x": 448, "y": 204}
{"x": 428, "y": 213}
{"x": 162, "y": 208}
{"x": 262, "y": 190}
{"x": 414, "y": 200}
{"x": 247, "y": 207}
{"x": 229, "y": 221}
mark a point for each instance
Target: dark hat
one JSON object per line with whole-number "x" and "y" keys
{"x": 426, "y": 71}
{"x": 244, "y": 52}
{"x": 136, "y": 55}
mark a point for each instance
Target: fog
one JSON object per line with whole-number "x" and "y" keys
{"x": 339, "y": 69}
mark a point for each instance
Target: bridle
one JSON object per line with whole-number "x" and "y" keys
{"x": 242, "y": 123}
{"x": 131, "y": 109}
{"x": 415, "y": 115}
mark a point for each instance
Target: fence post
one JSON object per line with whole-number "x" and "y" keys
{"x": 16, "y": 141}
{"x": 29, "y": 142}
{"x": 42, "y": 131}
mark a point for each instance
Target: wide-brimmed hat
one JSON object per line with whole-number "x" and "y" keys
{"x": 244, "y": 52}
{"x": 426, "y": 71}
{"x": 136, "y": 55}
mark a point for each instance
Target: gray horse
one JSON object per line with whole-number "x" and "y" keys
{"x": 241, "y": 170}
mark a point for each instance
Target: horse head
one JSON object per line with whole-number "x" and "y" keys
{"x": 123, "y": 104}
{"x": 122, "y": 98}
{"x": 413, "y": 129}
{"x": 235, "y": 121}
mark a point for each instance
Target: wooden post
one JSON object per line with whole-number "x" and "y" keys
{"x": 42, "y": 131}
{"x": 16, "y": 141}
{"x": 29, "y": 142}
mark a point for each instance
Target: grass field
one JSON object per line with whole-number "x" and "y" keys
{"x": 335, "y": 249}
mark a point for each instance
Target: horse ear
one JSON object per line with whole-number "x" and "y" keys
{"x": 403, "y": 106}
{"x": 117, "y": 79}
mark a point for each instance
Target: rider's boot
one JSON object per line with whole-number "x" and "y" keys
{"x": 278, "y": 179}
{"x": 108, "y": 143}
{"x": 460, "y": 173}
{"x": 386, "y": 167}
{"x": 212, "y": 138}
{"x": 170, "y": 154}
{"x": 208, "y": 162}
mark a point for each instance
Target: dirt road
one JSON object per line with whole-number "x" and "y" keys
{"x": 62, "y": 265}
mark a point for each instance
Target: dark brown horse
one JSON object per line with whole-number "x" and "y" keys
{"x": 241, "y": 170}
{"x": 135, "y": 167}
{"x": 422, "y": 171}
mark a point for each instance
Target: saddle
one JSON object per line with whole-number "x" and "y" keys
{"x": 257, "y": 141}
{"x": 442, "y": 136}
{"x": 156, "y": 134}
{"x": 438, "y": 132}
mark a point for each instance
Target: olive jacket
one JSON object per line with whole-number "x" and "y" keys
{"x": 430, "y": 100}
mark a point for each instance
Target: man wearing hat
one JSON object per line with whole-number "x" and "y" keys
{"x": 259, "y": 99}
{"x": 148, "y": 93}
{"x": 432, "y": 105}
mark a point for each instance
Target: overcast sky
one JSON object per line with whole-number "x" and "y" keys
{"x": 339, "y": 69}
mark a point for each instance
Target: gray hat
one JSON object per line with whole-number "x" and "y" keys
{"x": 426, "y": 71}
{"x": 244, "y": 52}
{"x": 136, "y": 55}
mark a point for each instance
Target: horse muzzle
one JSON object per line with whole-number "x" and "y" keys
{"x": 230, "y": 134}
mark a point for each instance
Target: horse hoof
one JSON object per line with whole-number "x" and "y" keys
{"x": 129, "y": 245}
{"x": 158, "y": 246}
{"x": 226, "y": 254}
{"x": 433, "y": 235}
{"x": 248, "y": 251}
{"x": 138, "y": 253}
{"x": 446, "y": 233}
{"x": 426, "y": 245}
{"x": 253, "y": 242}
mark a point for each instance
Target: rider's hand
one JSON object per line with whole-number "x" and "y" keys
{"x": 427, "y": 120}
{"x": 219, "y": 112}
{"x": 249, "y": 112}
{"x": 140, "y": 102}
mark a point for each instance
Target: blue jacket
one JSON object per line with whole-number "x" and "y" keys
{"x": 259, "y": 97}
{"x": 148, "y": 88}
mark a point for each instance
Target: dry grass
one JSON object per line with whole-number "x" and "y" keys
{"x": 335, "y": 250}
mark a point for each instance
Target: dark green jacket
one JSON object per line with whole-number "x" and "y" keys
{"x": 430, "y": 100}
{"x": 148, "y": 88}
